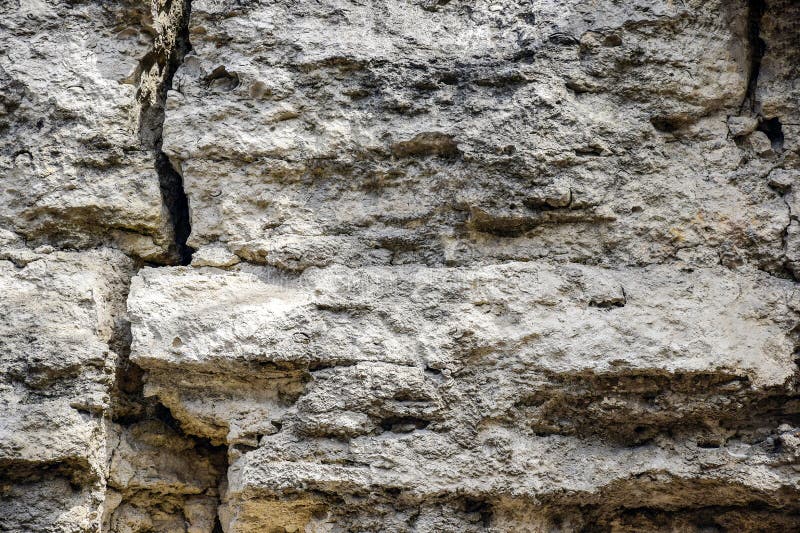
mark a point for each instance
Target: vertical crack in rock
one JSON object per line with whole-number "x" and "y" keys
{"x": 177, "y": 203}
{"x": 159, "y": 477}
{"x": 778, "y": 183}
{"x": 771, "y": 127}
{"x": 757, "y": 47}
{"x": 157, "y": 68}
{"x": 184, "y": 473}
{"x": 785, "y": 237}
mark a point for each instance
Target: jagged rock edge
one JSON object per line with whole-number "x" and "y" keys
{"x": 128, "y": 374}
{"x": 150, "y": 127}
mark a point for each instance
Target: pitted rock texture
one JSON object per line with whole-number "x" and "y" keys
{"x": 422, "y": 265}
{"x": 58, "y": 319}
{"x": 74, "y": 170}
{"x": 448, "y": 134}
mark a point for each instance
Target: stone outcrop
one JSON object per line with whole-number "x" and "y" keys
{"x": 424, "y": 265}
{"x": 74, "y": 170}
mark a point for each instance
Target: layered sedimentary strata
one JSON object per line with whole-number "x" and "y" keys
{"x": 422, "y": 265}
{"x": 74, "y": 170}
{"x": 57, "y": 312}
{"x": 407, "y": 385}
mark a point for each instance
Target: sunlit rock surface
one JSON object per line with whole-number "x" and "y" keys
{"x": 423, "y": 265}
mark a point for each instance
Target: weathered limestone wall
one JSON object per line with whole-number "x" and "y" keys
{"x": 419, "y": 265}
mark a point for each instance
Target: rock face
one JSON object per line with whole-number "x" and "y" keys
{"x": 74, "y": 171}
{"x": 422, "y": 265}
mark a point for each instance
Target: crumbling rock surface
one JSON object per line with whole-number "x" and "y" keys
{"x": 423, "y": 265}
{"x": 57, "y": 319}
{"x": 74, "y": 171}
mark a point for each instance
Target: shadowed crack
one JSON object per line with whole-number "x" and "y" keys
{"x": 149, "y": 427}
{"x": 158, "y": 68}
{"x": 145, "y": 422}
{"x": 757, "y": 47}
{"x": 771, "y": 126}
{"x": 174, "y": 197}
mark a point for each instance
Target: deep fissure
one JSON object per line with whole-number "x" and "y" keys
{"x": 757, "y": 48}
{"x": 130, "y": 405}
{"x": 168, "y": 54}
{"x": 770, "y": 126}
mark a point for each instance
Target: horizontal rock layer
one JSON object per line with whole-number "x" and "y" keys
{"x": 405, "y": 379}
{"x": 423, "y": 265}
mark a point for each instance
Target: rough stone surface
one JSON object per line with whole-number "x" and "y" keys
{"x": 422, "y": 265}
{"x": 74, "y": 171}
{"x": 58, "y": 317}
{"x": 464, "y": 134}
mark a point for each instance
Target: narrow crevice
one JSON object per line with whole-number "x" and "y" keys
{"x": 158, "y": 68}
{"x": 782, "y": 188}
{"x": 757, "y": 48}
{"x": 770, "y": 126}
{"x": 174, "y": 197}
{"x": 787, "y": 263}
{"x": 403, "y": 424}
{"x": 132, "y": 409}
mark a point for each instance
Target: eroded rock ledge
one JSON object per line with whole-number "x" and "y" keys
{"x": 409, "y": 266}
